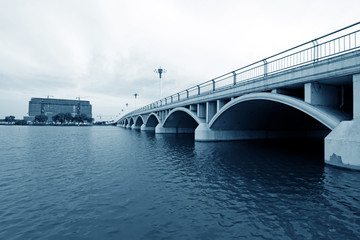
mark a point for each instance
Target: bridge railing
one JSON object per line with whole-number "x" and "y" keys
{"x": 333, "y": 44}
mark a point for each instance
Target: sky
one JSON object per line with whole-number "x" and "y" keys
{"x": 105, "y": 51}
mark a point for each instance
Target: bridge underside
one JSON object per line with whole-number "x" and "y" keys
{"x": 178, "y": 122}
{"x": 261, "y": 119}
{"x": 138, "y": 123}
{"x": 150, "y": 124}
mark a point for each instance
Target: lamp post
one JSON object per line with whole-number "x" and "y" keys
{"x": 135, "y": 95}
{"x": 160, "y": 71}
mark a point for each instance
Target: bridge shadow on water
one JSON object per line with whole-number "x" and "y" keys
{"x": 277, "y": 155}
{"x": 292, "y": 165}
{"x": 309, "y": 151}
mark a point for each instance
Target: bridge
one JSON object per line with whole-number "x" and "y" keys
{"x": 309, "y": 91}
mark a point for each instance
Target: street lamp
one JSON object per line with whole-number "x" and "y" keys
{"x": 135, "y": 95}
{"x": 160, "y": 71}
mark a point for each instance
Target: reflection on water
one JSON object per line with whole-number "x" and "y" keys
{"x": 112, "y": 183}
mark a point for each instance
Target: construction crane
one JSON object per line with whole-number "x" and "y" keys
{"x": 78, "y": 98}
{"x": 78, "y": 106}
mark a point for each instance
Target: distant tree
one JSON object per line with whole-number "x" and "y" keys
{"x": 60, "y": 117}
{"x": 85, "y": 118}
{"x": 77, "y": 118}
{"x": 10, "y": 118}
{"x": 68, "y": 117}
{"x": 82, "y": 118}
{"x": 41, "y": 118}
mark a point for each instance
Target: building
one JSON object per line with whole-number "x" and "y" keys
{"x": 51, "y": 106}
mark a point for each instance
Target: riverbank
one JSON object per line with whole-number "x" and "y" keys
{"x": 55, "y": 124}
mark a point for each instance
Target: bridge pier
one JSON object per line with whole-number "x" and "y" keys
{"x": 204, "y": 134}
{"x": 134, "y": 127}
{"x": 342, "y": 145}
{"x": 160, "y": 129}
{"x": 145, "y": 128}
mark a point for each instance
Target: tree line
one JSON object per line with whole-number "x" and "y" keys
{"x": 11, "y": 120}
{"x": 64, "y": 118}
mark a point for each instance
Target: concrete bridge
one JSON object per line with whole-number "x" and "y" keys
{"x": 309, "y": 91}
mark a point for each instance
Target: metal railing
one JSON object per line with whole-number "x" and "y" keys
{"x": 333, "y": 44}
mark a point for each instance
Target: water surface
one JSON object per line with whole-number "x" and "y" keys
{"x": 113, "y": 183}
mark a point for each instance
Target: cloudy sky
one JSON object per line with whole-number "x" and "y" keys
{"x": 104, "y": 51}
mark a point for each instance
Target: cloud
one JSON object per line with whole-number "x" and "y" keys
{"x": 109, "y": 49}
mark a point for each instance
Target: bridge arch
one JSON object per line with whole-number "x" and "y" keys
{"x": 272, "y": 112}
{"x": 139, "y": 120}
{"x": 181, "y": 120}
{"x": 152, "y": 120}
{"x": 131, "y": 121}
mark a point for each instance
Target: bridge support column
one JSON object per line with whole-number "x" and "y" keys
{"x": 128, "y": 126}
{"x": 201, "y": 110}
{"x": 342, "y": 145}
{"x": 210, "y": 111}
{"x": 219, "y": 104}
{"x": 193, "y": 108}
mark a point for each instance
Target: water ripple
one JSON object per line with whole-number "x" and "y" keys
{"x": 111, "y": 183}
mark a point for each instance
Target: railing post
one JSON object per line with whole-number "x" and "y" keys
{"x": 198, "y": 89}
{"x": 171, "y": 99}
{"x": 178, "y": 96}
{"x": 187, "y": 93}
{"x": 316, "y": 50}
{"x": 213, "y": 82}
{"x": 265, "y": 67}
{"x": 234, "y": 73}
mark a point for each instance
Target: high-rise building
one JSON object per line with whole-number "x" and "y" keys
{"x": 51, "y": 106}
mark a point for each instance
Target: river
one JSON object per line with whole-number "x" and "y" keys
{"x": 113, "y": 183}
